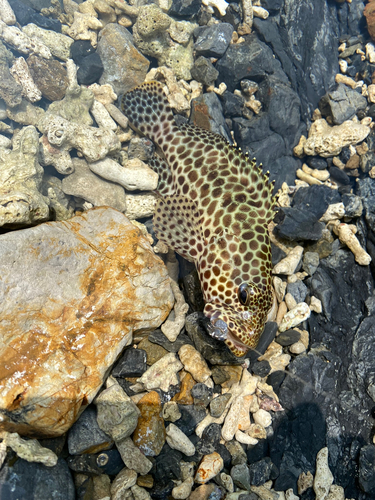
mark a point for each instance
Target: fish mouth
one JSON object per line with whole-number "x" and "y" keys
{"x": 217, "y": 329}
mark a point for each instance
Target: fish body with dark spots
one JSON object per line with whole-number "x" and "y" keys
{"x": 214, "y": 210}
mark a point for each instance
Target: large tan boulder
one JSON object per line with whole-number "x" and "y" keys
{"x": 71, "y": 296}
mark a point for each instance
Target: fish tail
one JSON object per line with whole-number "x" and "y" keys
{"x": 148, "y": 111}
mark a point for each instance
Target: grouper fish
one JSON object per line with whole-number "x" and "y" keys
{"x": 214, "y": 209}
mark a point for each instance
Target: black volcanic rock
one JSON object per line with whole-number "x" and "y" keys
{"x": 25, "y": 14}
{"x": 304, "y": 48}
{"x": 185, "y": 8}
{"x": 213, "y": 41}
{"x": 203, "y": 71}
{"x": 90, "y": 69}
{"x": 251, "y": 59}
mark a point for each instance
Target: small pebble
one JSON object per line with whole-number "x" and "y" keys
{"x": 263, "y": 418}
{"x": 288, "y": 337}
{"x": 209, "y": 467}
{"x": 177, "y": 440}
{"x": 184, "y": 489}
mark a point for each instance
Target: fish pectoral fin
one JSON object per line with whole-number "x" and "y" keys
{"x": 177, "y": 223}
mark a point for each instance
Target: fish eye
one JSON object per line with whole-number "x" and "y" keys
{"x": 243, "y": 293}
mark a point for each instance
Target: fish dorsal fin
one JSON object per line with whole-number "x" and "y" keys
{"x": 148, "y": 111}
{"x": 177, "y": 223}
{"x": 161, "y": 167}
{"x": 238, "y": 163}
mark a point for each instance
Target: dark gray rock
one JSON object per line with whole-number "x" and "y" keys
{"x": 213, "y": 41}
{"x": 340, "y": 176}
{"x": 361, "y": 374}
{"x": 251, "y": 59}
{"x": 309, "y": 47}
{"x": 214, "y": 351}
{"x": 248, "y": 496}
{"x": 303, "y": 47}
{"x": 133, "y": 363}
{"x": 301, "y": 221}
{"x": 167, "y": 466}
{"x": 298, "y": 290}
{"x": 25, "y": 14}
{"x": 351, "y": 18}
{"x": 210, "y": 439}
{"x": 233, "y": 105}
{"x": 250, "y": 131}
{"x": 276, "y": 379}
{"x": 277, "y": 254}
{"x": 217, "y": 405}
{"x": 241, "y": 476}
{"x": 366, "y": 469}
{"x": 80, "y": 49}
{"x": 261, "y": 368}
{"x": 272, "y": 5}
{"x": 283, "y": 107}
{"x": 34, "y": 481}
{"x": 265, "y": 150}
{"x": 85, "y": 436}
{"x": 105, "y": 462}
{"x": 288, "y": 338}
{"x": 90, "y": 69}
{"x": 262, "y": 471}
{"x": 365, "y": 188}
{"x": 158, "y": 337}
{"x": 191, "y": 415}
{"x": 341, "y": 104}
{"x": 233, "y": 15}
{"x": 258, "y": 451}
{"x": 367, "y": 160}
{"x": 206, "y": 112}
{"x": 187, "y": 9}
{"x": 316, "y": 162}
{"x": 310, "y": 262}
{"x": 204, "y": 72}
{"x": 343, "y": 289}
{"x": 353, "y": 205}
{"x": 294, "y": 224}
{"x": 202, "y": 394}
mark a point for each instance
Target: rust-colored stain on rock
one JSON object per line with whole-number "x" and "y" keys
{"x": 56, "y": 345}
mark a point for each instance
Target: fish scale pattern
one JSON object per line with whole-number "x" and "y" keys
{"x": 215, "y": 208}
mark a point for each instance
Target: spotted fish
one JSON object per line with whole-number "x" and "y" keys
{"x": 214, "y": 209}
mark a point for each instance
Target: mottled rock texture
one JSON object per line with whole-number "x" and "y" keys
{"x": 72, "y": 293}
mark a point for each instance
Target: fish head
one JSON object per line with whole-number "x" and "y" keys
{"x": 240, "y": 323}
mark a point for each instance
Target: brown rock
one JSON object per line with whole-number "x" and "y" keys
{"x": 75, "y": 293}
{"x": 369, "y": 14}
{"x": 124, "y": 66}
{"x": 353, "y": 162}
{"x": 184, "y": 397}
{"x": 154, "y": 351}
{"x": 50, "y": 77}
{"x": 149, "y": 434}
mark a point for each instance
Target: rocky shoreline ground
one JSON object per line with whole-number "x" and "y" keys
{"x": 89, "y": 297}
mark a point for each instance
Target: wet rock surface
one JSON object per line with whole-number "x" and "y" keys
{"x": 175, "y": 413}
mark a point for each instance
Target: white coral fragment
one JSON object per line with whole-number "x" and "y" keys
{"x": 6, "y": 13}
{"x": 176, "y": 319}
{"x": 29, "y": 450}
{"x": 295, "y": 316}
{"x": 134, "y": 175}
{"x": 162, "y": 374}
{"x": 14, "y": 37}
{"x": 21, "y": 73}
